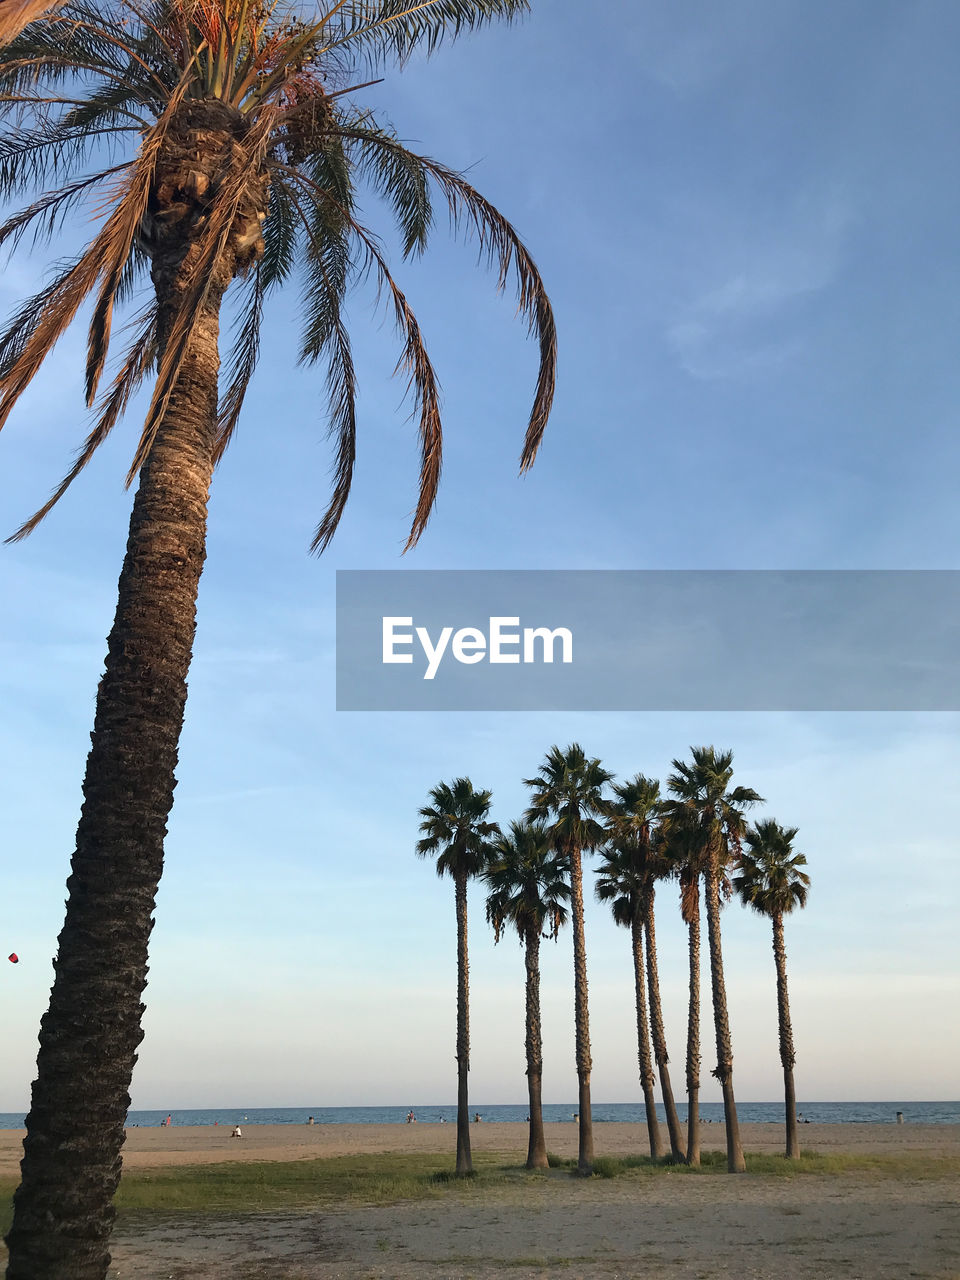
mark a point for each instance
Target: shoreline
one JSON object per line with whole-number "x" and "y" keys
{"x": 151, "y": 1148}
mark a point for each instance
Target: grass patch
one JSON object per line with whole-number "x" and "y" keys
{"x": 253, "y": 1187}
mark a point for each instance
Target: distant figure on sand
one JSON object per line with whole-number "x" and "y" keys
{"x": 310, "y": 1120}
{"x": 169, "y": 1120}
{"x": 236, "y": 1132}
{"x": 411, "y": 1118}
{"x": 477, "y": 1117}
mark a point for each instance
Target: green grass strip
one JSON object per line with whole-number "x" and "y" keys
{"x": 251, "y": 1187}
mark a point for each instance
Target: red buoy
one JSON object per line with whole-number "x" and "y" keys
{"x": 13, "y": 958}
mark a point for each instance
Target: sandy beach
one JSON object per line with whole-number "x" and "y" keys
{"x": 207, "y": 1144}
{"x": 758, "y": 1227}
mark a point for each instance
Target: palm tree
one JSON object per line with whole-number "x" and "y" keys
{"x": 681, "y": 853}
{"x": 714, "y": 814}
{"x": 661, "y": 869}
{"x": 626, "y": 880}
{"x": 568, "y": 796}
{"x": 235, "y": 163}
{"x": 770, "y": 880}
{"x": 455, "y": 827}
{"x": 527, "y": 888}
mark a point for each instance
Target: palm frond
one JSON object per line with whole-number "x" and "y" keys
{"x": 52, "y": 208}
{"x": 281, "y": 233}
{"x": 241, "y": 364}
{"x": 502, "y": 247}
{"x": 398, "y": 174}
{"x": 140, "y": 358}
{"x": 377, "y": 30}
{"x": 47, "y": 151}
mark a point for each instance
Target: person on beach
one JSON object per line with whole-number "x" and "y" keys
{"x": 411, "y": 1118}
{"x": 236, "y": 1132}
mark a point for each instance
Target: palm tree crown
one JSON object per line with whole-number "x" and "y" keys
{"x": 456, "y": 828}
{"x": 526, "y": 883}
{"x": 632, "y": 857}
{"x": 707, "y": 817}
{"x": 568, "y": 790}
{"x": 770, "y": 879}
{"x": 226, "y": 127}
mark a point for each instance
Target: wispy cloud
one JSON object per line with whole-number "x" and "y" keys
{"x": 740, "y": 321}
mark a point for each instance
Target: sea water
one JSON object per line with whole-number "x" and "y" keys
{"x": 553, "y": 1113}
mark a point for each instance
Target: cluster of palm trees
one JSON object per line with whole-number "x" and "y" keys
{"x": 696, "y": 834}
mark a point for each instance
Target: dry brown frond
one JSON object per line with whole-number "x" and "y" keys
{"x": 139, "y": 360}
{"x": 689, "y": 897}
{"x": 17, "y": 14}
{"x": 118, "y": 235}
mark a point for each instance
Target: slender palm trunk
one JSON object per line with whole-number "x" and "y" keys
{"x": 581, "y": 1015}
{"x": 657, "y": 1032}
{"x": 89, "y": 1036}
{"x": 464, "y": 1161}
{"x": 787, "y": 1055}
{"x": 644, "y": 1055}
{"x": 721, "y": 1021}
{"x": 692, "y": 903}
{"x": 63, "y": 1209}
{"x": 537, "y": 1147}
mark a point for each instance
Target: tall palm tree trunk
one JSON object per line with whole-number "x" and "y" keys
{"x": 721, "y": 1021}
{"x": 464, "y": 1161}
{"x": 787, "y": 1055}
{"x": 658, "y": 1034}
{"x": 644, "y": 1055}
{"x": 537, "y": 1147}
{"x": 692, "y": 907}
{"x": 89, "y": 1036}
{"x": 581, "y": 1015}
{"x": 63, "y": 1209}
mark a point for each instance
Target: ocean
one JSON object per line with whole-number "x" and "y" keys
{"x": 603, "y": 1113}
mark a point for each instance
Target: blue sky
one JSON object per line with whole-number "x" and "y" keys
{"x": 746, "y": 218}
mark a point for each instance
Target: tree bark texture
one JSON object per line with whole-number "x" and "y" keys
{"x": 693, "y": 1035}
{"x": 537, "y": 1147}
{"x": 658, "y": 1034}
{"x": 464, "y": 1161}
{"x": 90, "y": 1033}
{"x": 581, "y": 1015}
{"x": 721, "y": 1022}
{"x": 787, "y": 1055}
{"x": 63, "y": 1209}
{"x": 644, "y": 1055}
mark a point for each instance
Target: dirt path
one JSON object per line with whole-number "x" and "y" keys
{"x": 751, "y": 1228}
